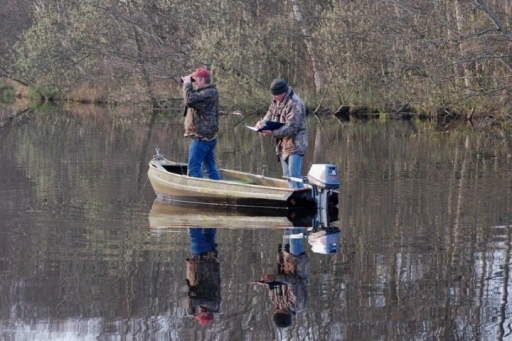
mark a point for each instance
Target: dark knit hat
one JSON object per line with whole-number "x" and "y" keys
{"x": 278, "y": 86}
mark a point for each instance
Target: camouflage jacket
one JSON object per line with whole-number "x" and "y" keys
{"x": 290, "y": 289}
{"x": 202, "y": 118}
{"x": 292, "y": 138}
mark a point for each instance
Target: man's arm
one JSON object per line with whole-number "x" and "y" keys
{"x": 265, "y": 118}
{"x": 293, "y": 120}
{"x": 198, "y": 99}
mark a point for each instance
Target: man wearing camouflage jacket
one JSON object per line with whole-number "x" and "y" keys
{"x": 292, "y": 138}
{"x": 201, "y": 123}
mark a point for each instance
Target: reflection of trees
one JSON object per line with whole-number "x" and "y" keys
{"x": 392, "y": 183}
{"x": 416, "y": 209}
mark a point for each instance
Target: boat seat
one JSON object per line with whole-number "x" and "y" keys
{"x": 242, "y": 182}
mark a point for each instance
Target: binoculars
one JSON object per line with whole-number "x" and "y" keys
{"x": 191, "y": 79}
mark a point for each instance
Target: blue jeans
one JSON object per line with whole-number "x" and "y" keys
{"x": 202, "y": 240}
{"x": 293, "y": 241}
{"x": 292, "y": 166}
{"x": 202, "y": 153}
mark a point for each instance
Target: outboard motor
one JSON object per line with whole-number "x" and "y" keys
{"x": 324, "y": 179}
{"x": 325, "y": 241}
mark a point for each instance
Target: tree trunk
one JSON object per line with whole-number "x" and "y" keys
{"x": 459, "y": 19}
{"x": 508, "y": 13}
{"x": 308, "y": 39}
{"x": 145, "y": 73}
{"x": 142, "y": 61}
{"x": 457, "y": 67}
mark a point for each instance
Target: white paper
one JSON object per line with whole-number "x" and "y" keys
{"x": 253, "y": 128}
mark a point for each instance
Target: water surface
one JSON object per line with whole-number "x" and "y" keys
{"x": 425, "y": 219}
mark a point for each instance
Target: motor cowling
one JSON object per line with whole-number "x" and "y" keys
{"x": 324, "y": 176}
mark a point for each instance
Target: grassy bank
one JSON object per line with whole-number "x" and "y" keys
{"x": 480, "y": 112}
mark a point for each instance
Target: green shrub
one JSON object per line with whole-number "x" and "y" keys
{"x": 7, "y": 95}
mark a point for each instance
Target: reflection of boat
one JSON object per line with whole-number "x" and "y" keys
{"x": 168, "y": 213}
{"x": 322, "y": 234}
{"x": 169, "y": 180}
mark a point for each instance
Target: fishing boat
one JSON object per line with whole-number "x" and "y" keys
{"x": 169, "y": 180}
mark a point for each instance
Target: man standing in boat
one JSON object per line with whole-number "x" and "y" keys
{"x": 201, "y": 122}
{"x": 292, "y": 138}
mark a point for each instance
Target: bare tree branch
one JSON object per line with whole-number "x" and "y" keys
{"x": 481, "y": 5}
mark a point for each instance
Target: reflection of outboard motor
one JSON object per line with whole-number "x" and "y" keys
{"x": 324, "y": 179}
{"x": 325, "y": 241}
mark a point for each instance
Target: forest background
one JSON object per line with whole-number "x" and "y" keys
{"x": 426, "y": 57}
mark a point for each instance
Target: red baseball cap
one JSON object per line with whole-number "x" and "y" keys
{"x": 202, "y": 72}
{"x": 204, "y": 318}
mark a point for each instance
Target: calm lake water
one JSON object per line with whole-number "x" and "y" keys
{"x": 425, "y": 221}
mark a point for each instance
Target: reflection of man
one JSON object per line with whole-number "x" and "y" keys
{"x": 288, "y": 287}
{"x": 203, "y": 276}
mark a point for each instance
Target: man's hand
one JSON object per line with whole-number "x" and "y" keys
{"x": 186, "y": 79}
{"x": 268, "y": 278}
{"x": 261, "y": 124}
